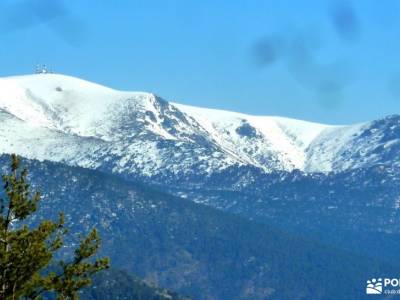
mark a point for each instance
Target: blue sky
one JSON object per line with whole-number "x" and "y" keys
{"x": 326, "y": 61}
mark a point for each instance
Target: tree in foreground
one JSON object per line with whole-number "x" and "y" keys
{"x": 27, "y": 253}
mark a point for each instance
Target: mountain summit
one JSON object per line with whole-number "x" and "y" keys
{"x": 62, "y": 118}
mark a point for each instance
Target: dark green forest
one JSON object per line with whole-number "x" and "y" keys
{"x": 192, "y": 249}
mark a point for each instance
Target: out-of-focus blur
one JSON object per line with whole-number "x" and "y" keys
{"x": 311, "y": 59}
{"x": 26, "y": 14}
{"x": 299, "y": 53}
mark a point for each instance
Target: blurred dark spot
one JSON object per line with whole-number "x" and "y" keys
{"x": 299, "y": 52}
{"x": 26, "y": 14}
{"x": 268, "y": 50}
{"x": 327, "y": 80}
{"x": 345, "y": 21}
{"x": 30, "y": 13}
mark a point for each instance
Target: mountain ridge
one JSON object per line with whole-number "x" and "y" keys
{"x": 85, "y": 124}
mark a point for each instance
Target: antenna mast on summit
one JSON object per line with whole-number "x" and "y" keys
{"x": 42, "y": 69}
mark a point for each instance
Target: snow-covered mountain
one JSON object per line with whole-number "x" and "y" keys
{"x": 61, "y": 118}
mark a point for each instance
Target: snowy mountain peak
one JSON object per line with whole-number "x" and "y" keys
{"x": 62, "y": 102}
{"x": 62, "y": 118}
{"x": 259, "y": 135}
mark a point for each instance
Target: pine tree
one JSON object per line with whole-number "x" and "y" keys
{"x": 26, "y": 253}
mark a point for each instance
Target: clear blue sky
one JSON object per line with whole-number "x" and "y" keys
{"x": 327, "y": 61}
